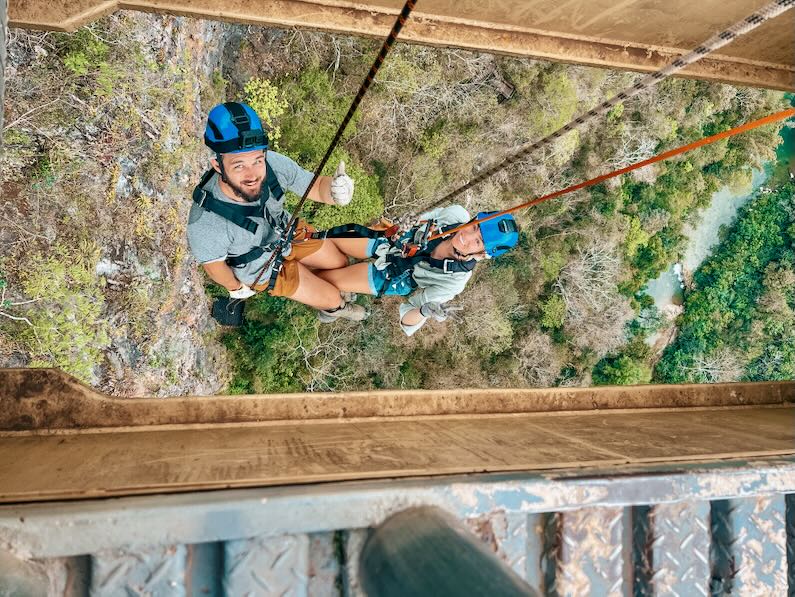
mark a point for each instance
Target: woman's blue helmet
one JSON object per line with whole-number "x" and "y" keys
{"x": 500, "y": 234}
{"x": 234, "y": 127}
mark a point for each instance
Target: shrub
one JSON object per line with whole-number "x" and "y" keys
{"x": 621, "y": 370}
{"x": 553, "y": 312}
{"x": 68, "y": 329}
{"x": 265, "y": 355}
{"x": 269, "y": 103}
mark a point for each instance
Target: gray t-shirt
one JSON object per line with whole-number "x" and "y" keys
{"x": 213, "y": 238}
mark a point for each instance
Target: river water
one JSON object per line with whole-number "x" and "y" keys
{"x": 667, "y": 288}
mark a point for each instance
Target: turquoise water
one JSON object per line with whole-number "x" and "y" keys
{"x": 667, "y": 288}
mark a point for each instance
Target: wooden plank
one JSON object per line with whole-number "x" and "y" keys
{"x": 148, "y": 460}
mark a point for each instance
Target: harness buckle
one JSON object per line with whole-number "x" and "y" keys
{"x": 447, "y": 266}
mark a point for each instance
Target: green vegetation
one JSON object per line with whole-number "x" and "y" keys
{"x": 738, "y": 320}
{"x": 120, "y": 147}
{"x": 280, "y": 325}
{"x": 265, "y": 99}
{"x": 67, "y": 329}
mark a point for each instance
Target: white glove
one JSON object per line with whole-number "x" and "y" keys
{"x": 242, "y": 293}
{"x": 341, "y": 186}
{"x": 438, "y": 311}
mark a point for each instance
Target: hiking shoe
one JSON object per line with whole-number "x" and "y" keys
{"x": 349, "y": 311}
{"x": 348, "y": 297}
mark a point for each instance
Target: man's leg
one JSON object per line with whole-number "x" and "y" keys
{"x": 311, "y": 289}
{"x": 328, "y": 256}
{"x": 297, "y": 282}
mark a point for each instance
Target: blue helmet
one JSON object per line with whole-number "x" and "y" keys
{"x": 234, "y": 127}
{"x": 499, "y": 234}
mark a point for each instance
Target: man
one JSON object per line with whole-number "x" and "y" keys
{"x": 238, "y": 219}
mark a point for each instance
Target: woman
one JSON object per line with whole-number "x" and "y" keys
{"x": 433, "y": 277}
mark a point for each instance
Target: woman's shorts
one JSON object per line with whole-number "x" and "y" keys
{"x": 401, "y": 285}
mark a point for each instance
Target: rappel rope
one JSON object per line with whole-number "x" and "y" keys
{"x": 662, "y": 156}
{"x": 713, "y": 43}
{"x": 368, "y": 80}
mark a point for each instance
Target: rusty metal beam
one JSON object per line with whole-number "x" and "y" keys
{"x": 634, "y": 35}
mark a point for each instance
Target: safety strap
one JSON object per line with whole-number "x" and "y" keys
{"x": 398, "y": 264}
{"x": 239, "y": 215}
{"x": 253, "y": 254}
{"x": 348, "y": 231}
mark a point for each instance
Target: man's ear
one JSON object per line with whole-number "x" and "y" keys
{"x": 215, "y": 164}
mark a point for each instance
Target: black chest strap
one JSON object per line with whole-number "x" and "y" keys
{"x": 349, "y": 231}
{"x": 240, "y": 214}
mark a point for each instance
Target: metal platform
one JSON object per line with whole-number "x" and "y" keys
{"x": 653, "y": 490}
{"x": 695, "y": 530}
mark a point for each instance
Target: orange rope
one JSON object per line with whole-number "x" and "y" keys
{"x": 663, "y": 156}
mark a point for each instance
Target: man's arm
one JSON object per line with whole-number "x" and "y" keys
{"x": 333, "y": 190}
{"x": 321, "y": 191}
{"x": 222, "y": 274}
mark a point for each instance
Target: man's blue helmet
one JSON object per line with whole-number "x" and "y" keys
{"x": 234, "y": 127}
{"x": 500, "y": 234}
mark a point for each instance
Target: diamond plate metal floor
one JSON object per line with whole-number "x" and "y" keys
{"x": 728, "y": 530}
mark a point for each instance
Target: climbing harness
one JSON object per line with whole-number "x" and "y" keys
{"x": 713, "y": 43}
{"x": 399, "y": 269}
{"x": 782, "y": 115}
{"x": 368, "y": 80}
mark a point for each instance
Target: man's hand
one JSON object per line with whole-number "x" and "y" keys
{"x": 438, "y": 311}
{"x": 242, "y": 293}
{"x": 341, "y": 186}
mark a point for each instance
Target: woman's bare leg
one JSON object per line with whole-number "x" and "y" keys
{"x": 353, "y": 247}
{"x": 348, "y": 279}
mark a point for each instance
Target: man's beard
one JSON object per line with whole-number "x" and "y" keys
{"x": 246, "y": 196}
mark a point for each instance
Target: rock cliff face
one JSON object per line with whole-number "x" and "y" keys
{"x": 98, "y": 172}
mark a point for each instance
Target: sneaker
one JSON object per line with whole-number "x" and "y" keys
{"x": 348, "y": 297}
{"x": 349, "y": 311}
